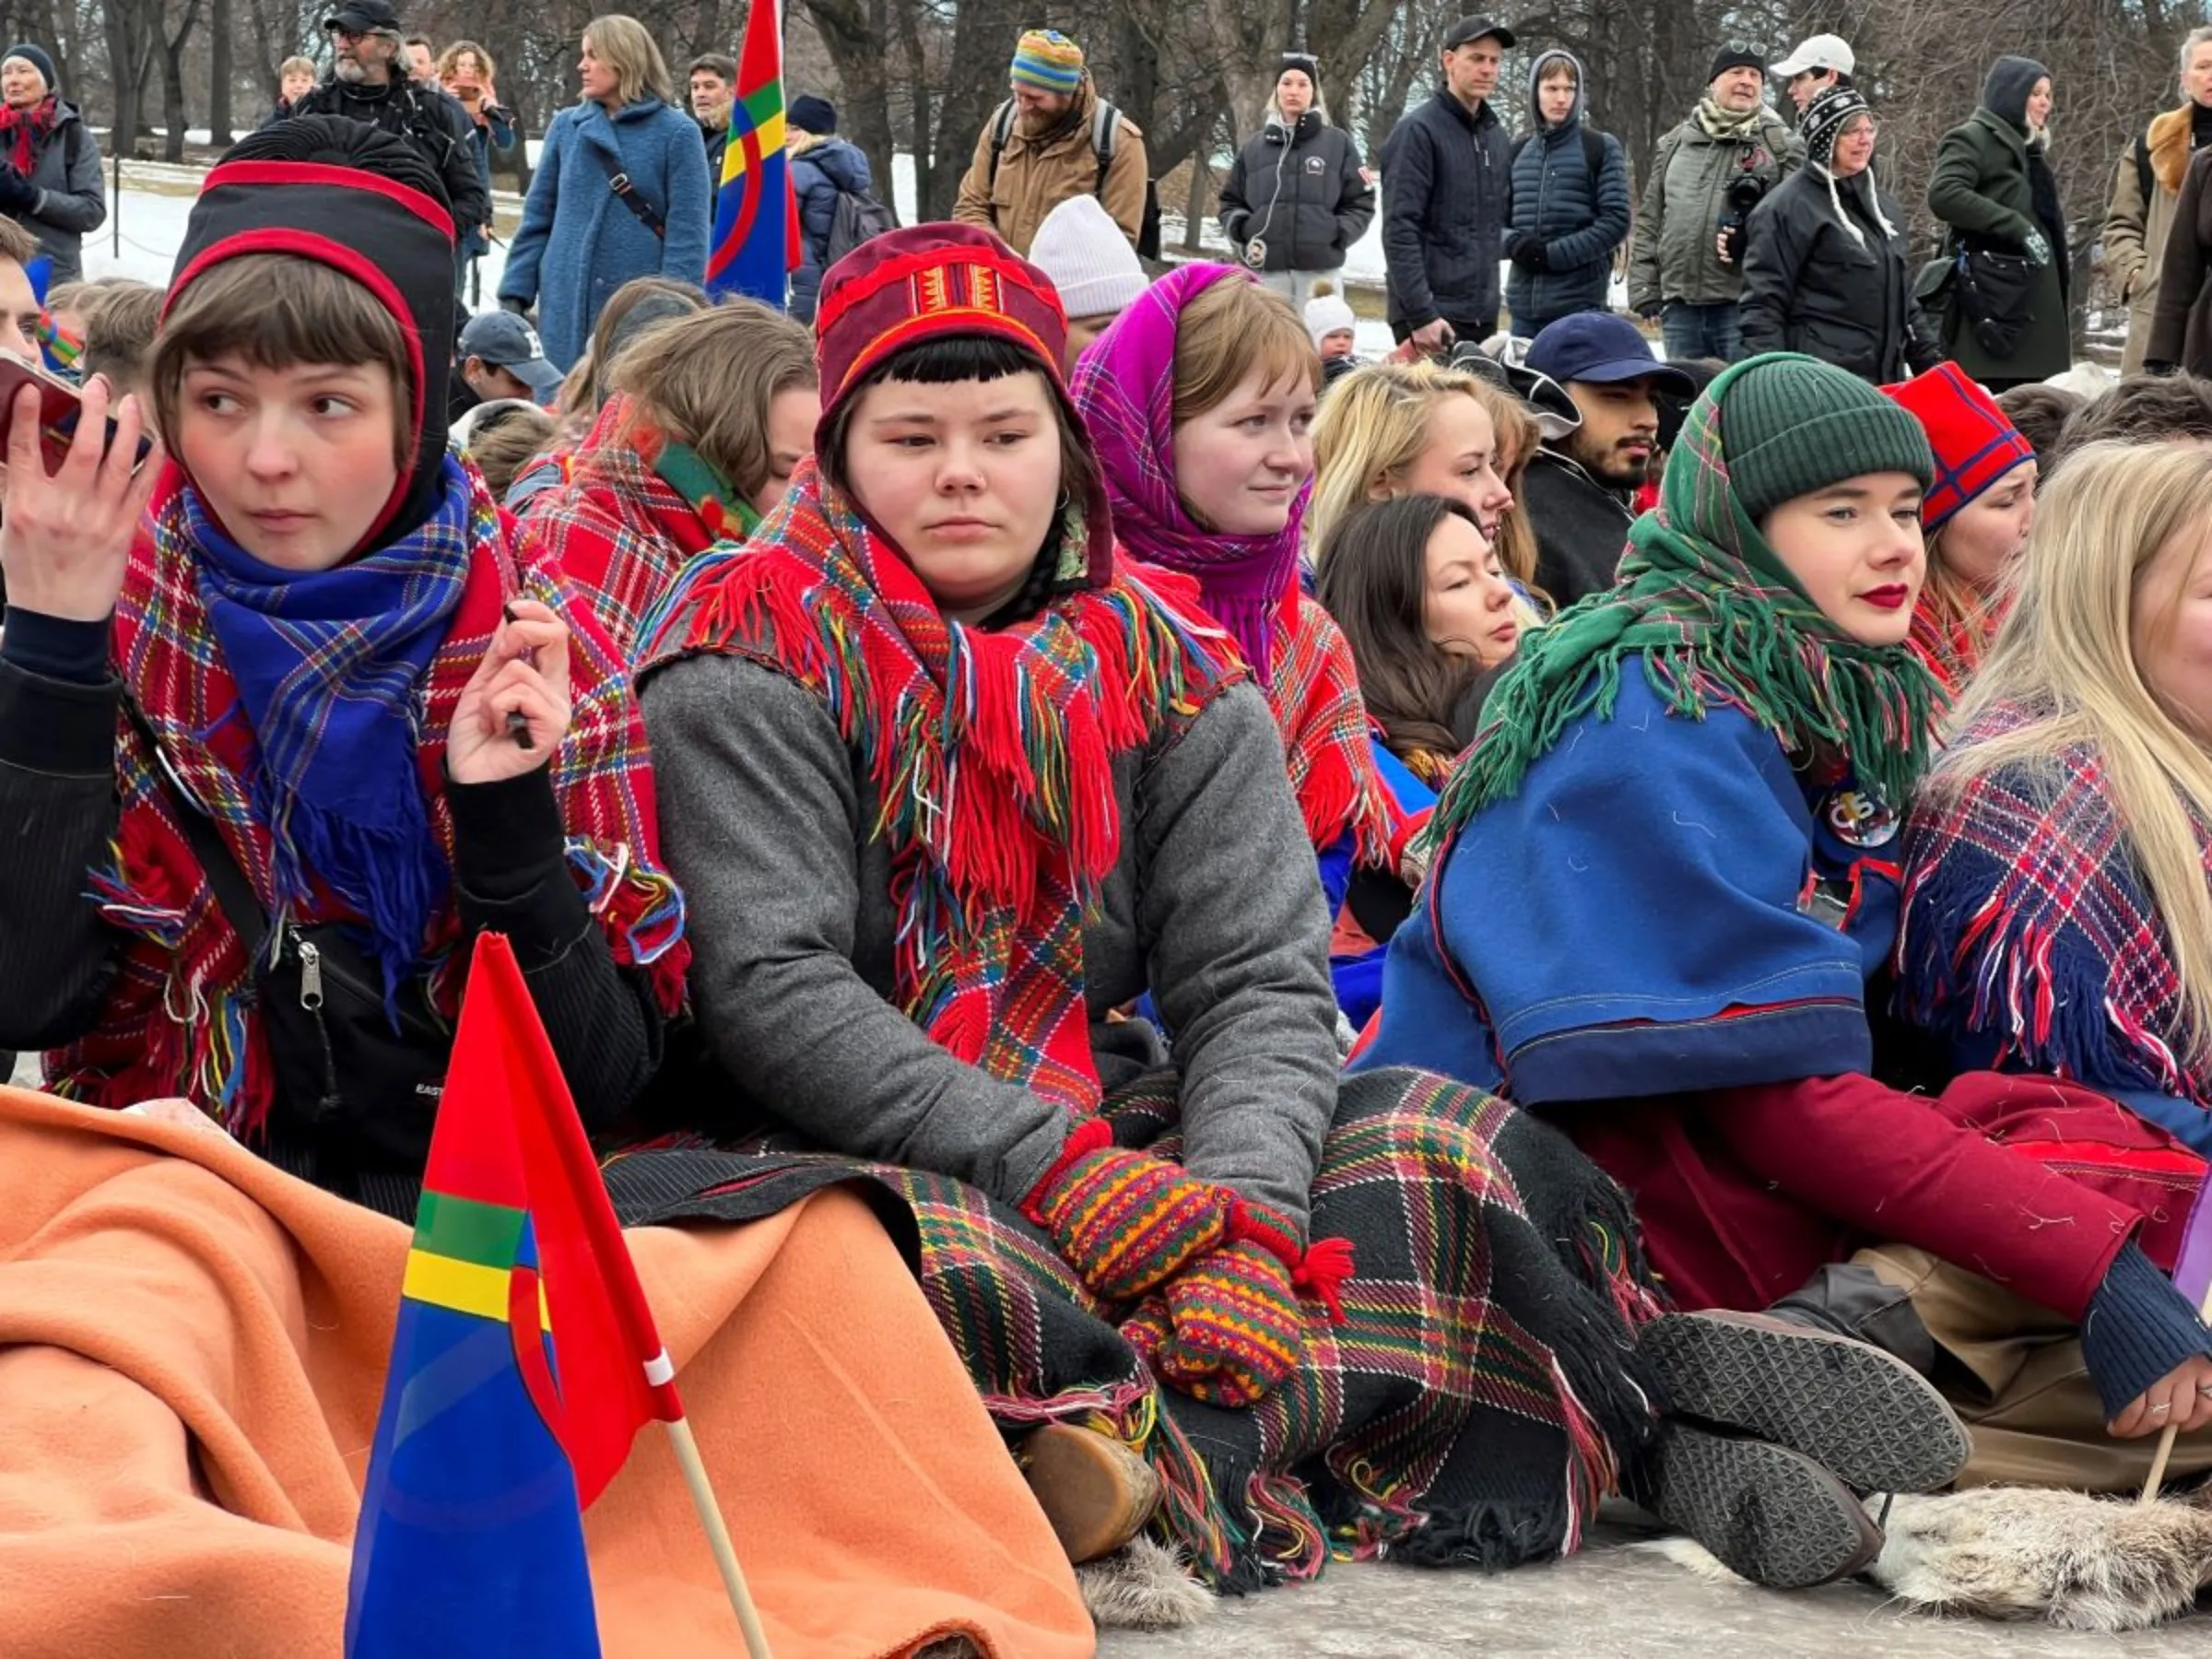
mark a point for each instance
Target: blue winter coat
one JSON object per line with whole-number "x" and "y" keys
{"x": 1579, "y": 221}
{"x": 578, "y": 243}
{"x": 817, "y": 173}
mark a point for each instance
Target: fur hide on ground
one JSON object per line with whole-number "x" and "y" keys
{"x": 2061, "y": 1558}
{"x": 1143, "y": 1586}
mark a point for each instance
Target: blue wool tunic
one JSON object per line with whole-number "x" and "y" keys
{"x": 1665, "y": 905}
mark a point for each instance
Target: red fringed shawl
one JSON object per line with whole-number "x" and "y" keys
{"x": 991, "y": 755}
{"x": 1315, "y": 698}
{"x": 175, "y": 1022}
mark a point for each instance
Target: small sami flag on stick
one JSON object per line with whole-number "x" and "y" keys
{"x": 525, "y": 1363}
{"x": 755, "y": 216}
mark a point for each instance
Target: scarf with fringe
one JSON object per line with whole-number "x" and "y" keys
{"x": 2025, "y": 924}
{"x": 1715, "y": 618}
{"x": 179, "y": 1019}
{"x": 991, "y": 753}
{"x": 22, "y": 131}
{"x": 632, "y": 516}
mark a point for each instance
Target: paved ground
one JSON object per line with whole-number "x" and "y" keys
{"x": 1609, "y": 1601}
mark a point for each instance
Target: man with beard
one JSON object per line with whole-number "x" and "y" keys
{"x": 713, "y": 78}
{"x": 1048, "y": 144}
{"x": 1579, "y": 487}
{"x": 370, "y": 83}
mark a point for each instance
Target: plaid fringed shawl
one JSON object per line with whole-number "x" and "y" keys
{"x": 630, "y": 516}
{"x": 1715, "y": 618}
{"x": 1478, "y": 1399}
{"x": 2025, "y": 926}
{"x": 1315, "y": 699}
{"x": 178, "y": 1019}
{"x": 991, "y": 752}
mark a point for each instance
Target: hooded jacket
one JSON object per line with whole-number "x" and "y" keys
{"x": 1036, "y": 174}
{"x": 71, "y": 201}
{"x": 1985, "y": 190}
{"x": 818, "y": 173}
{"x": 1811, "y": 284}
{"x": 1446, "y": 180}
{"x": 1580, "y": 218}
{"x": 1674, "y": 256}
{"x": 1298, "y": 189}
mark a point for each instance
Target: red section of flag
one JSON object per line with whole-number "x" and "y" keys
{"x": 507, "y": 1134}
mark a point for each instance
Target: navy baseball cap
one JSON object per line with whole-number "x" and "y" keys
{"x": 505, "y": 341}
{"x": 1602, "y": 348}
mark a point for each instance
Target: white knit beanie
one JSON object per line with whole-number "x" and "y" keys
{"x": 1327, "y": 315}
{"x": 1088, "y": 259}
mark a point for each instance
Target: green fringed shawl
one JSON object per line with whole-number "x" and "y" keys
{"x": 1716, "y": 617}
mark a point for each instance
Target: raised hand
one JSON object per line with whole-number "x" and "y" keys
{"x": 515, "y": 709}
{"x": 65, "y": 538}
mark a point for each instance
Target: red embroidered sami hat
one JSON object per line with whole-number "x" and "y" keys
{"x": 1974, "y": 443}
{"x": 939, "y": 282}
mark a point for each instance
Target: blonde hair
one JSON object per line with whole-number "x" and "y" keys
{"x": 627, "y": 48}
{"x": 1375, "y": 427}
{"x": 707, "y": 380}
{"x": 450, "y": 60}
{"x": 2066, "y": 653}
{"x": 1229, "y": 330}
{"x": 297, "y": 65}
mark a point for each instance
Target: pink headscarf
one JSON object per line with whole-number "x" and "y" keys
{"x": 1125, "y": 386}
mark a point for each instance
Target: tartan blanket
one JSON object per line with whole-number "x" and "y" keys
{"x": 1479, "y": 1398}
{"x": 2025, "y": 930}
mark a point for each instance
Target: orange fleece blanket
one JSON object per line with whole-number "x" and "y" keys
{"x": 191, "y": 1353}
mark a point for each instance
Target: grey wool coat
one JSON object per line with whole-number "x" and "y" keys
{"x": 1215, "y": 906}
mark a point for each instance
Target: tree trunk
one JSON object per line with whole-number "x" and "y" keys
{"x": 221, "y": 74}
{"x": 1194, "y": 204}
{"x": 173, "y": 83}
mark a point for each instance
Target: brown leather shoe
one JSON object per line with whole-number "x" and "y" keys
{"x": 1097, "y": 1492}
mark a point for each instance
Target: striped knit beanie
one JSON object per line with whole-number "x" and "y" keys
{"x": 1794, "y": 425}
{"x": 1049, "y": 61}
{"x": 1974, "y": 443}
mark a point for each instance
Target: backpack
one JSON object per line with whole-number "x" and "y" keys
{"x": 858, "y": 218}
{"x": 1593, "y": 155}
{"x": 1105, "y": 120}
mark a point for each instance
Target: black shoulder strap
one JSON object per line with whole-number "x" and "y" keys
{"x": 1593, "y": 157}
{"x": 2144, "y": 183}
{"x": 1520, "y": 144}
{"x": 630, "y": 194}
{"x": 1002, "y": 129}
{"x": 234, "y": 893}
{"x": 1105, "y": 122}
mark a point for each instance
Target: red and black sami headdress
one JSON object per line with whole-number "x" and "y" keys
{"x": 934, "y": 282}
{"x": 363, "y": 203}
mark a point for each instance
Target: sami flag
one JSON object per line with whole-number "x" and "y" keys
{"x": 524, "y": 1363}
{"x": 755, "y": 216}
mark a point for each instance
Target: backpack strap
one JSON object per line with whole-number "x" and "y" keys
{"x": 1105, "y": 120}
{"x": 1002, "y": 129}
{"x": 2144, "y": 183}
{"x": 1593, "y": 157}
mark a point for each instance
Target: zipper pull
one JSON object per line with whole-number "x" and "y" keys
{"x": 310, "y": 977}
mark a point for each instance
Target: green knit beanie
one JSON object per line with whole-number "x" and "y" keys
{"x": 1791, "y": 425}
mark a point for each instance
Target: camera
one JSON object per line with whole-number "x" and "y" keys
{"x": 1742, "y": 196}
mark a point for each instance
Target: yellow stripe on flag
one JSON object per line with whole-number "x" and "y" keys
{"x": 772, "y": 140}
{"x": 464, "y": 1287}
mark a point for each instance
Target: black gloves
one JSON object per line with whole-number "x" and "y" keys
{"x": 17, "y": 194}
{"x": 1525, "y": 250}
{"x": 508, "y": 302}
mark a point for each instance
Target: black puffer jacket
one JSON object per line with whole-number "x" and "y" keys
{"x": 1300, "y": 192}
{"x": 428, "y": 118}
{"x": 1811, "y": 285}
{"x": 1446, "y": 184}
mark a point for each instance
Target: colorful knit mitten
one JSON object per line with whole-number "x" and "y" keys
{"x": 1236, "y": 1329}
{"x": 1126, "y": 1221}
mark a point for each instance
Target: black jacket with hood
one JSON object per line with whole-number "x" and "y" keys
{"x": 1578, "y": 215}
{"x": 1826, "y": 273}
{"x": 1300, "y": 191}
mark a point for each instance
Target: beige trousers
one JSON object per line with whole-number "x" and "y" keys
{"x": 2020, "y": 1386}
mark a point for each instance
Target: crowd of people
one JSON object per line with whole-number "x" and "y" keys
{"x": 1420, "y": 943}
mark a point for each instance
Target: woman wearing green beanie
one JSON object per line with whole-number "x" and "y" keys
{"x": 1695, "y": 782}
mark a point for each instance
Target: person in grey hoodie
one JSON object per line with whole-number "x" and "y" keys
{"x": 823, "y": 166}
{"x": 1571, "y": 200}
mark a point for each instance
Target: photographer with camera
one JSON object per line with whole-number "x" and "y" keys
{"x": 1686, "y": 265}
{"x": 1298, "y": 197}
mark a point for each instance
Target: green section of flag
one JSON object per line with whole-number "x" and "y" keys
{"x": 764, "y": 102}
{"x": 466, "y": 1230}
